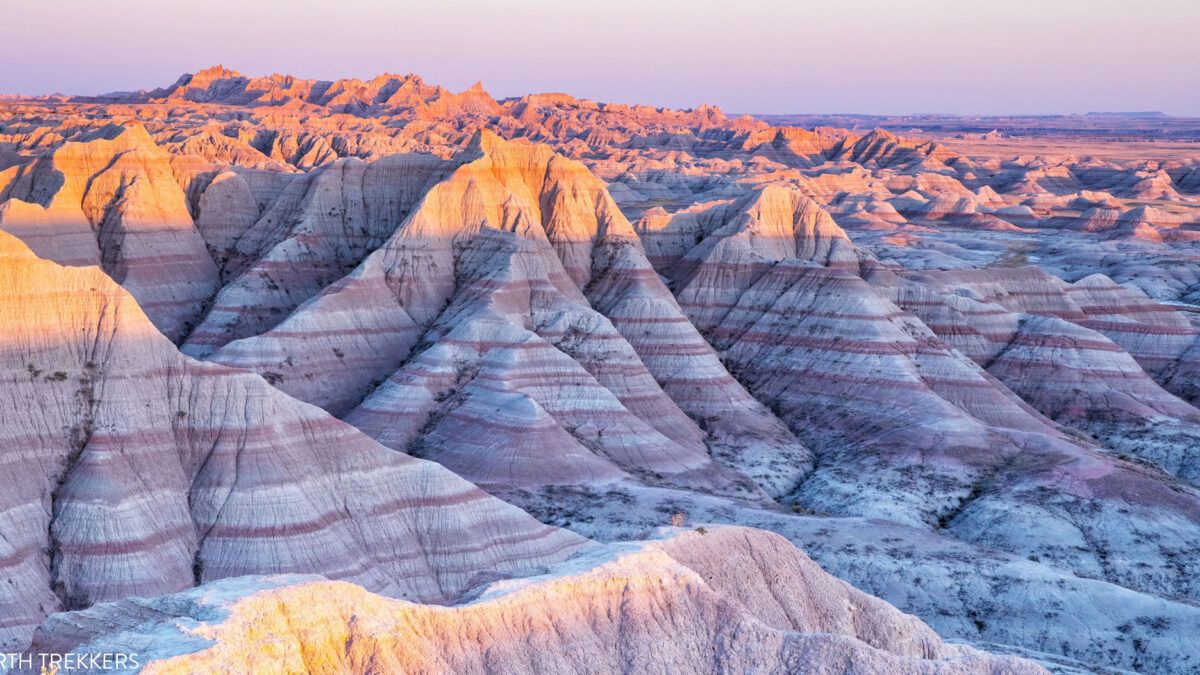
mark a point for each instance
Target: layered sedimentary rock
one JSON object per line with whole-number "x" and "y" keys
{"x": 766, "y": 227}
{"x": 829, "y": 352}
{"x": 741, "y": 432}
{"x": 308, "y": 238}
{"x": 724, "y": 600}
{"x": 387, "y": 91}
{"x": 113, "y": 201}
{"x": 1083, "y": 380}
{"x": 1044, "y": 339}
{"x": 959, "y": 372}
{"x": 516, "y": 239}
{"x": 133, "y": 470}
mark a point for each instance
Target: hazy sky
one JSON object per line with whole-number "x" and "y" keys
{"x": 766, "y": 56}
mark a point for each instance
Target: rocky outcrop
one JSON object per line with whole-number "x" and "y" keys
{"x": 133, "y": 470}
{"x": 220, "y": 85}
{"x": 1081, "y": 379}
{"x": 313, "y": 233}
{"x": 1046, "y": 341}
{"x": 826, "y": 351}
{"x": 504, "y": 255}
{"x": 114, "y": 201}
{"x": 747, "y": 239}
{"x": 720, "y": 600}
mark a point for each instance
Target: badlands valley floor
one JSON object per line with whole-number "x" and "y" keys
{"x": 370, "y": 376}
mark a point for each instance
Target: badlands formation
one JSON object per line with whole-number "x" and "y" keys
{"x": 371, "y": 376}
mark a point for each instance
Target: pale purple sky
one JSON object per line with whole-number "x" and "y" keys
{"x": 765, "y": 56}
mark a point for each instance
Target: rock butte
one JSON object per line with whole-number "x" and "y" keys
{"x": 271, "y": 326}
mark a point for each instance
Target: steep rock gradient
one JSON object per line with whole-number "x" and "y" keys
{"x": 496, "y": 277}
{"x": 130, "y": 469}
{"x": 114, "y": 201}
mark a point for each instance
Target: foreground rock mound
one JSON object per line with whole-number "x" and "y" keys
{"x": 729, "y": 600}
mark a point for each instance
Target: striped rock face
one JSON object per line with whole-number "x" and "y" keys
{"x": 906, "y": 427}
{"x": 133, "y": 470}
{"x": 318, "y": 229}
{"x": 517, "y": 297}
{"x": 730, "y": 600}
{"x": 114, "y": 202}
{"x": 1049, "y": 342}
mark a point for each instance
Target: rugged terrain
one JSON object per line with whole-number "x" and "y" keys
{"x": 377, "y": 331}
{"x": 663, "y": 605}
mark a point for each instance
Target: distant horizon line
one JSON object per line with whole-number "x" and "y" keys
{"x": 1148, "y": 114}
{"x": 765, "y": 116}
